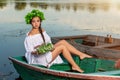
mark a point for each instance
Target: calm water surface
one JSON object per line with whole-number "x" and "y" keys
{"x": 63, "y": 18}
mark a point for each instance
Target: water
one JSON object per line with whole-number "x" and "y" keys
{"x": 63, "y": 18}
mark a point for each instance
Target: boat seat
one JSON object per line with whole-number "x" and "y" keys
{"x": 79, "y": 41}
{"x": 91, "y": 65}
{"x": 76, "y": 41}
{"x": 62, "y": 67}
{"x": 65, "y": 66}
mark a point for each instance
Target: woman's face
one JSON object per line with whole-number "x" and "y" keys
{"x": 36, "y": 22}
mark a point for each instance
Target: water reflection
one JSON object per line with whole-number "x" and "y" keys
{"x": 118, "y": 6}
{"x": 20, "y": 5}
{"x": 3, "y": 3}
{"x": 90, "y": 6}
{"x": 34, "y": 4}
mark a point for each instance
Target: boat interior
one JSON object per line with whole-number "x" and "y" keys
{"x": 89, "y": 65}
{"x": 95, "y": 41}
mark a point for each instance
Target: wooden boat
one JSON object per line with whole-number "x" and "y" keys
{"x": 101, "y": 67}
{"x": 95, "y": 69}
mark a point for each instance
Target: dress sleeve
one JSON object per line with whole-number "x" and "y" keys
{"x": 29, "y": 48}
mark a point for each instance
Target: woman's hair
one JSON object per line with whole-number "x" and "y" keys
{"x": 41, "y": 32}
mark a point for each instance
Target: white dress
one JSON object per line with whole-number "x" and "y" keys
{"x": 34, "y": 40}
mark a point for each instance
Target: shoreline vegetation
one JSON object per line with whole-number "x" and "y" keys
{"x": 92, "y": 6}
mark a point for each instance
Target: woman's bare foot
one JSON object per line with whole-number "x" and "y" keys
{"x": 77, "y": 69}
{"x": 85, "y": 56}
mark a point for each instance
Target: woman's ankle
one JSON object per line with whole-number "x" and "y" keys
{"x": 77, "y": 69}
{"x": 85, "y": 56}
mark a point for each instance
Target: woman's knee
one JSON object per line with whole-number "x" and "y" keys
{"x": 59, "y": 49}
{"x": 63, "y": 41}
{"x": 62, "y": 47}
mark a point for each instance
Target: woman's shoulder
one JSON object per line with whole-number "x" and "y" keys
{"x": 43, "y": 30}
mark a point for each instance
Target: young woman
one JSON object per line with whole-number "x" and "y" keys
{"x": 37, "y": 36}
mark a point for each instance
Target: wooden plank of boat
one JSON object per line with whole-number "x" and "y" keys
{"x": 87, "y": 44}
{"x": 94, "y": 39}
{"x": 99, "y": 52}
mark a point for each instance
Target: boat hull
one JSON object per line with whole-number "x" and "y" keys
{"x": 32, "y": 72}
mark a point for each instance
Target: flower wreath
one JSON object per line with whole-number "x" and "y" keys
{"x": 34, "y": 13}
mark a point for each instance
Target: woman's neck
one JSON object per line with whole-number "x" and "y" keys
{"x": 34, "y": 31}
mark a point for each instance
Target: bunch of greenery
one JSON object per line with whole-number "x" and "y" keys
{"x": 45, "y": 48}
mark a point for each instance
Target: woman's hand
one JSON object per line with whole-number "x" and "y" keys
{"x": 53, "y": 48}
{"x": 34, "y": 52}
{"x": 43, "y": 48}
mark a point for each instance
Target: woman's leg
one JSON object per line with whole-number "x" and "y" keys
{"x": 62, "y": 49}
{"x": 72, "y": 49}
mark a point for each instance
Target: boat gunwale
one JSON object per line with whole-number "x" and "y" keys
{"x": 65, "y": 74}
